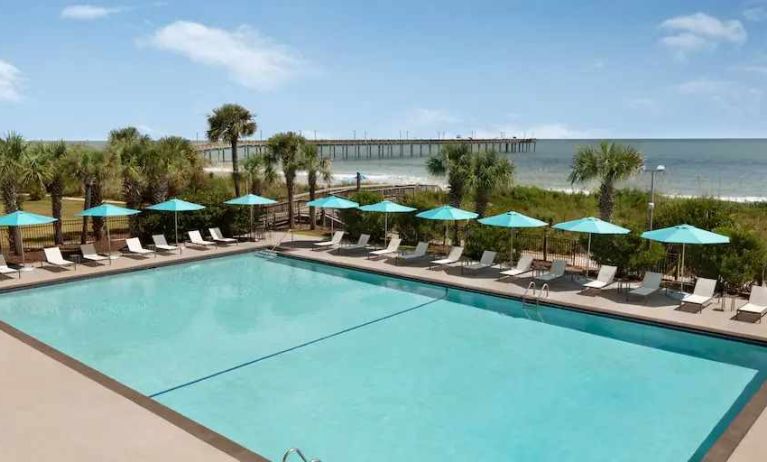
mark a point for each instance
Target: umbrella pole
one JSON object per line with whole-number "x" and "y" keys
{"x": 681, "y": 271}
{"x": 386, "y": 227}
{"x": 21, "y": 244}
{"x": 109, "y": 240}
{"x": 252, "y": 235}
{"x": 588, "y": 257}
{"x": 444, "y": 242}
{"x": 175, "y": 223}
{"x": 511, "y": 250}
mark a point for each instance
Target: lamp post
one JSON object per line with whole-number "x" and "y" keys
{"x": 651, "y": 204}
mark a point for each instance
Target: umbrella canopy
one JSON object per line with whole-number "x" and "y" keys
{"x": 447, "y": 212}
{"x": 21, "y": 218}
{"x": 591, "y": 225}
{"x": 685, "y": 234}
{"x": 250, "y": 199}
{"x": 386, "y": 207}
{"x": 512, "y": 220}
{"x": 333, "y": 202}
{"x": 176, "y": 205}
{"x": 108, "y": 210}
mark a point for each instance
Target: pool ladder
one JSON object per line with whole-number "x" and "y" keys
{"x": 532, "y": 294}
{"x": 271, "y": 252}
{"x": 297, "y": 452}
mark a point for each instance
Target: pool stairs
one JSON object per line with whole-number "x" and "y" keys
{"x": 298, "y": 453}
{"x": 268, "y": 254}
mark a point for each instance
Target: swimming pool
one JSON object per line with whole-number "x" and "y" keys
{"x": 356, "y": 366}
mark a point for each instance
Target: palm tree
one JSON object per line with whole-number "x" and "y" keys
{"x": 316, "y": 168}
{"x": 259, "y": 173}
{"x": 91, "y": 167}
{"x": 228, "y": 123}
{"x": 15, "y": 172}
{"x": 128, "y": 151}
{"x": 286, "y": 149}
{"x": 48, "y": 169}
{"x": 172, "y": 165}
{"x": 454, "y": 162}
{"x": 489, "y": 173}
{"x": 609, "y": 163}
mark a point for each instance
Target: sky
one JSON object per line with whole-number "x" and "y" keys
{"x": 330, "y": 69}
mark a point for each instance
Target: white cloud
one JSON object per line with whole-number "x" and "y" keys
{"x": 425, "y": 117}
{"x": 755, "y": 13}
{"x": 643, "y": 104}
{"x": 10, "y": 82}
{"x": 555, "y": 130}
{"x": 250, "y": 59}
{"x": 759, "y": 69}
{"x": 700, "y": 31}
{"x": 730, "y": 96}
{"x": 87, "y": 12}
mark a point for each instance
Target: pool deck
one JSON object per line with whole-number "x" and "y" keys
{"x": 46, "y": 391}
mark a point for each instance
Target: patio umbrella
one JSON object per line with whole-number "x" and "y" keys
{"x": 591, "y": 225}
{"x": 250, "y": 200}
{"x": 512, "y": 220}
{"x": 175, "y": 206}
{"x": 333, "y": 202}
{"x": 20, "y": 219}
{"x": 105, "y": 211}
{"x": 447, "y": 213}
{"x": 685, "y": 234}
{"x": 386, "y": 207}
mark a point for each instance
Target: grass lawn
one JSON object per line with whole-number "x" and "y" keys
{"x": 70, "y": 207}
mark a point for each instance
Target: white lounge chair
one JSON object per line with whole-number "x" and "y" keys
{"x": 390, "y": 250}
{"x": 53, "y": 257}
{"x": 757, "y": 302}
{"x": 334, "y": 242}
{"x": 524, "y": 266}
{"x": 89, "y": 253}
{"x": 557, "y": 271}
{"x": 487, "y": 260}
{"x": 215, "y": 234}
{"x": 135, "y": 247}
{"x": 453, "y": 257}
{"x": 362, "y": 243}
{"x": 702, "y": 295}
{"x": 5, "y": 269}
{"x": 604, "y": 279}
{"x": 161, "y": 245}
{"x": 417, "y": 254}
{"x": 195, "y": 238}
{"x": 650, "y": 285}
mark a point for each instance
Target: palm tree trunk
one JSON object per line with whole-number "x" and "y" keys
{"x": 57, "y": 192}
{"x": 11, "y": 202}
{"x": 606, "y": 200}
{"x": 97, "y": 223}
{"x": 86, "y": 205}
{"x": 289, "y": 186}
{"x": 235, "y": 169}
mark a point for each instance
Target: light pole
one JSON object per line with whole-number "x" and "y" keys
{"x": 651, "y": 204}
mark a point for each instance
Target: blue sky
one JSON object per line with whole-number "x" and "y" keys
{"x": 551, "y": 69}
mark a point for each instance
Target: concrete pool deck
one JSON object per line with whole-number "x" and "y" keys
{"x": 45, "y": 392}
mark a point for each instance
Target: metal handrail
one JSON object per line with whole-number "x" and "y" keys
{"x": 297, "y": 452}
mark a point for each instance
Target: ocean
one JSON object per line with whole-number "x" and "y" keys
{"x": 733, "y": 169}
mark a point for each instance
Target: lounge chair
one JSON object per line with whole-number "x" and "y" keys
{"x": 453, "y": 257}
{"x": 53, "y": 257}
{"x": 390, "y": 250}
{"x": 650, "y": 285}
{"x": 161, "y": 245}
{"x": 487, "y": 260}
{"x": 524, "y": 266}
{"x": 362, "y": 243}
{"x": 89, "y": 253}
{"x": 757, "y": 302}
{"x": 195, "y": 238}
{"x": 605, "y": 278}
{"x": 135, "y": 247}
{"x": 702, "y": 295}
{"x": 215, "y": 234}
{"x": 334, "y": 242}
{"x": 557, "y": 271}
{"x": 417, "y": 254}
{"x": 5, "y": 269}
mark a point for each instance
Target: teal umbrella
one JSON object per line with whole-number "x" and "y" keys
{"x": 105, "y": 211}
{"x": 333, "y": 202}
{"x": 591, "y": 225}
{"x": 685, "y": 234}
{"x": 20, "y": 219}
{"x": 386, "y": 207}
{"x": 512, "y": 220}
{"x": 175, "y": 206}
{"x": 250, "y": 200}
{"x": 447, "y": 213}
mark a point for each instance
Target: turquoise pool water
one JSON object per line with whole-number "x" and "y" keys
{"x": 355, "y": 366}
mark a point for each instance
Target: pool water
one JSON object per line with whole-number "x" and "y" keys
{"x": 355, "y": 366}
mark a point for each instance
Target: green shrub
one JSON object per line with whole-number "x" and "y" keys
{"x": 412, "y": 229}
{"x": 357, "y": 222}
{"x": 738, "y": 264}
